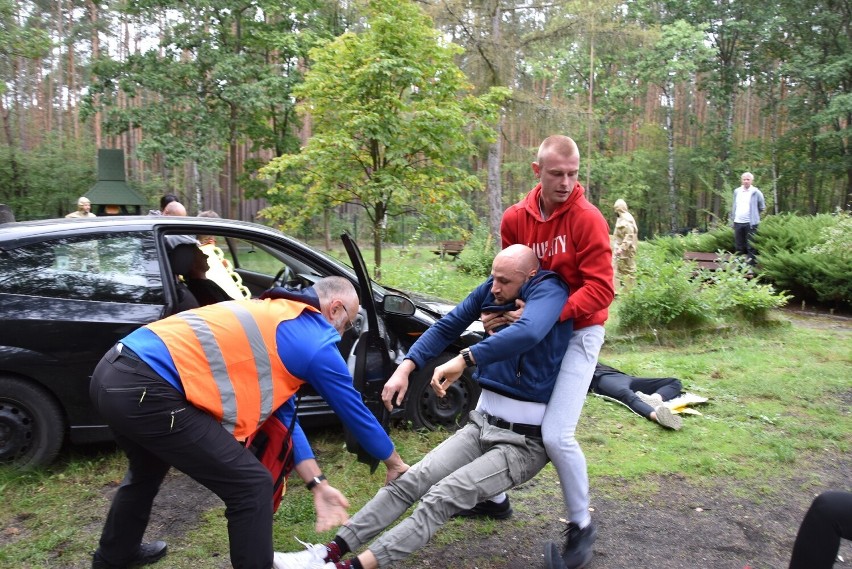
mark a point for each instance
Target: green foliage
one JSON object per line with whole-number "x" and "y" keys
{"x": 416, "y": 268}
{"x": 478, "y": 253}
{"x": 46, "y": 193}
{"x": 734, "y": 295}
{"x": 222, "y": 73}
{"x": 394, "y": 123}
{"x": 665, "y": 296}
{"x": 672, "y": 294}
{"x": 807, "y": 256}
{"x": 811, "y": 256}
{"x": 674, "y": 246}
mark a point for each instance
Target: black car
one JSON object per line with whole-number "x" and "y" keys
{"x": 70, "y": 289}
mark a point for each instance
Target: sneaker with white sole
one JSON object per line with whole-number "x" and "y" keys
{"x": 666, "y": 418}
{"x": 313, "y": 557}
{"x": 654, "y": 400}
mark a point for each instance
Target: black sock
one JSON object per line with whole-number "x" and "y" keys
{"x": 356, "y": 564}
{"x": 342, "y": 546}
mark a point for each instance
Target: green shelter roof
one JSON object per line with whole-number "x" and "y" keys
{"x": 114, "y": 192}
{"x": 111, "y": 187}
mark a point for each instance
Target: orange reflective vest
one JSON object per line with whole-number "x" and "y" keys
{"x": 227, "y": 358}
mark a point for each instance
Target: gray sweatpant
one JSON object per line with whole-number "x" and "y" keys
{"x": 562, "y": 415}
{"x": 475, "y": 463}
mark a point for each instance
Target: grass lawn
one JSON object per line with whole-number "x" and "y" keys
{"x": 779, "y": 401}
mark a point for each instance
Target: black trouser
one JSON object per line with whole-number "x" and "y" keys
{"x": 157, "y": 428}
{"x": 743, "y": 234}
{"x": 624, "y": 387}
{"x": 828, "y": 519}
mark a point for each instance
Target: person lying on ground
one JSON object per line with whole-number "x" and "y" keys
{"x": 642, "y": 395}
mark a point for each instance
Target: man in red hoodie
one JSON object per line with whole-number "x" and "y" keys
{"x": 571, "y": 237}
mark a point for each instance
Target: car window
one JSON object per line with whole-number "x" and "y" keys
{"x": 112, "y": 267}
{"x": 250, "y": 256}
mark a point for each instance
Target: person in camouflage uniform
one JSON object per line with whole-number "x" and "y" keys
{"x": 626, "y": 237}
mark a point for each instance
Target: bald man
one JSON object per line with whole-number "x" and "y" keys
{"x": 187, "y": 391}
{"x": 175, "y": 209}
{"x": 500, "y": 447}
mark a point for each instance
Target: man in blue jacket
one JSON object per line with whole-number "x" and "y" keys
{"x": 499, "y": 448}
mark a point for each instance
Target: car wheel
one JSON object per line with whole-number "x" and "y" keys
{"x": 32, "y": 427}
{"x": 424, "y": 409}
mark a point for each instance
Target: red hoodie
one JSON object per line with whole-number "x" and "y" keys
{"x": 573, "y": 242}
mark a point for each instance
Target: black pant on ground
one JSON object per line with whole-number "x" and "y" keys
{"x": 828, "y": 519}
{"x": 624, "y": 388}
{"x": 157, "y": 428}
{"x": 743, "y": 234}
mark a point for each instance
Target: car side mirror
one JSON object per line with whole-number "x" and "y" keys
{"x": 399, "y": 305}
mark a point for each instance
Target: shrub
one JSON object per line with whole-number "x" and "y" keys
{"x": 673, "y": 294}
{"x": 809, "y": 256}
{"x": 478, "y": 253}
{"x": 665, "y": 295}
{"x": 734, "y": 294}
{"x": 674, "y": 246}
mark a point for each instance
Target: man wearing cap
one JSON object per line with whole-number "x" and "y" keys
{"x": 84, "y": 209}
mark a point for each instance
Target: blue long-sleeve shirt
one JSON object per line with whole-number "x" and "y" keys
{"x": 307, "y": 346}
{"x": 522, "y": 360}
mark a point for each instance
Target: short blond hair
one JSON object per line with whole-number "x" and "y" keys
{"x": 559, "y": 144}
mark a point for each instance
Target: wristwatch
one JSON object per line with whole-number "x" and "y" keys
{"x": 316, "y": 480}
{"x": 465, "y": 353}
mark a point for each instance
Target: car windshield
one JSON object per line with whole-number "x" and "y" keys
{"x": 347, "y": 268}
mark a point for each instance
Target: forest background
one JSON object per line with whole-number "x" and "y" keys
{"x": 418, "y": 121}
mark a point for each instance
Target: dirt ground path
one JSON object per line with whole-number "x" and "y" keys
{"x": 679, "y": 527}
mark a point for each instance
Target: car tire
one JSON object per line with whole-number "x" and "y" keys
{"x": 32, "y": 426}
{"x": 425, "y": 410}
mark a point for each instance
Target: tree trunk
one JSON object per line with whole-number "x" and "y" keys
{"x": 378, "y": 234}
{"x": 671, "y": 166}
{"x": 494, "y": 187}
{"x": 326, "y": 225}
{"x": 96, "y": 53}
{"x": 14, "y": 169}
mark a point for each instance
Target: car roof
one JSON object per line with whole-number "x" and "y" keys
{"x": 18, "y": 232}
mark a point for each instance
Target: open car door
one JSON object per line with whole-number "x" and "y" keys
{"x": 373, "y": 365}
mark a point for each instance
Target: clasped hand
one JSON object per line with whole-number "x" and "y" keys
{"x": 493, "y": 320}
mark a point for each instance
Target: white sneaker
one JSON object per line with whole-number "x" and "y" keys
{"x": 313, "y": 557}
{"x": 666, "y": 418}
{"x": 654, "y": 400}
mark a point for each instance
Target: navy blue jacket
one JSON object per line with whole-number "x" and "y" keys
{"x": 522, "y": 360}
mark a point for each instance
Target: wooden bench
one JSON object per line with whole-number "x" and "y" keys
{"x": 452, "y": 248}
{"x": 710, "y": 261}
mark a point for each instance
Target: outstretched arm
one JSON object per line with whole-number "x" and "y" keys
{"x": 329, "y": 503}
{"x": 393, "y": 393}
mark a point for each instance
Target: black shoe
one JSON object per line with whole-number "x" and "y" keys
{"x": 146, "y": 554}
{"x": 488, "y": 509}
{"x": 552, "y": 556}
{"x": 577, "y": 552}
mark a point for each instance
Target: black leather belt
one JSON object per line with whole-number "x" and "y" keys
{"x": 520, "y": 428}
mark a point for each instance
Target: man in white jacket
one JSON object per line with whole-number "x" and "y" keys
{"x": 745, "y": 215}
